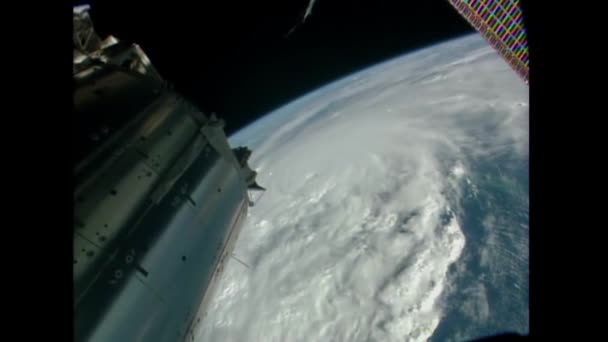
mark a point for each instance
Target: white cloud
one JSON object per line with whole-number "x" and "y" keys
{"x": 351, "y": 240}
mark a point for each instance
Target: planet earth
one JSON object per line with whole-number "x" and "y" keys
{"x": 396, "y": 210}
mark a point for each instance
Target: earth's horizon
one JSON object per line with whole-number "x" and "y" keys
{"x": 396, "y": 210}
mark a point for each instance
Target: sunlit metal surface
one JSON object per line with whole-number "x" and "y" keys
{"x": 160, "y": 197}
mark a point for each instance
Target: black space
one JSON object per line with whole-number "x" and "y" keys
{"x": 236, "y": 59}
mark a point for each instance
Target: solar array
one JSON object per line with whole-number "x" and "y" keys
{"x": 501, "y": 23}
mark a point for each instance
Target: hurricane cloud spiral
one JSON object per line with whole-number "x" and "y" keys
{"x": 359, "y": 234}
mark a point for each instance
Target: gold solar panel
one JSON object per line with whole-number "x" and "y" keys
{"x": 501, "y": 24}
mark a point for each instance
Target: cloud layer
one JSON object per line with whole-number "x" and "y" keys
{"x": 361, "y": 221}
